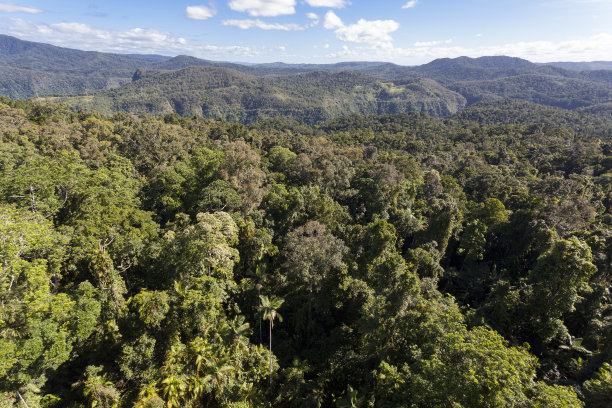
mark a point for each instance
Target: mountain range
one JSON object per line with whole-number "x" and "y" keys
{"x": 310, "y": 93}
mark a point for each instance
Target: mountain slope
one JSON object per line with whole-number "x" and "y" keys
{"x": 31, "y": 69}
{"x": 153, "y": 83}
{"x": 550, "y": 90}
{"x": 596, "y": 120}
{"x": 583, "y": 66}
{"x": 310, "y": 97}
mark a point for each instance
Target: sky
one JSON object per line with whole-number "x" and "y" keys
{"x": 407, "y": 32}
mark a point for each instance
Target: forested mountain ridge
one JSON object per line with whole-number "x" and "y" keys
{"x": 317, "y": 96}
{"x": 568, "y": 93}
{"x": 396, "y": 260}
{"x": 311, "y": 97}
{"x": 34, "y": 70}
{"x": 30, "y": 69}
{"x": 584, "y": 66}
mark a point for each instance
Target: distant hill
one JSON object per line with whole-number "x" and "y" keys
{"x": 309, "y": 92}
{"x": 31, "y": 69}
{"x": 601, "y": 110}
{"x": 493, "y": 78}
{"x": 49, "y": 58}
{"x": 310, "y": 97}
{"x": 34, "y": 69}
{"x": 583, "y": 66}
{"x": 517, "y": 112}
{"x": 568, "y": 93}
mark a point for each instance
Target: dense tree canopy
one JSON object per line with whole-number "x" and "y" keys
{"x": 414, "y": 261}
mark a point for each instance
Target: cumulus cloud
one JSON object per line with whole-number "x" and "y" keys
{"x": 136, "y": 40}
{"x": 410, "y": 4}
{"x": 375, "y": 32}
{"x": 327, "y": 3}
{"x": 264, "y": 8}
{"x": 17, "y": 8}
{"x": 199, "y": 12}
{"x": 247, "y": 24}
{"x": 332, "y": 21}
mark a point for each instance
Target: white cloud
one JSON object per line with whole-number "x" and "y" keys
{"x": 247, "y": 24}
{"x": 328, "y": 3}
{"x": 592, "y": 48}
{"x": 76, "y": 28}
{"x": 264, "y": 8}
{"x": 136, "y": 40}
{"x": 315, "y": 19}
{"x": 410, "y": 4}
{"x": 17, "y": 8}
{"x": 431, "y": 43}
{"x": 374, "y": 32}
{"x": 426, "y": 43}
{"x": 596, "y": 47}
{"x": 332, "y": 21}
{"x": 199, "y": 12}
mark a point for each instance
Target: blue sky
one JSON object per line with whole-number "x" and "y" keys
{"x": 407, "y": 32}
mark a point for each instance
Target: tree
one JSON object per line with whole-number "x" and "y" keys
{"x": 99, "y": 392}
{"x": 598, "y": 390}
{"x": 205, "y": 248}
{"x": 269, "y": 311}
{"x": 312, "y": 258}
{"x": 556, "y": 279}
{"x": 38, "y": 325}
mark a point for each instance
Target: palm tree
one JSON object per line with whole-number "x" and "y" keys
{"x": 269, "y": 311}
{"x": 174, "y": 391}
{"x": 262, "y": 278}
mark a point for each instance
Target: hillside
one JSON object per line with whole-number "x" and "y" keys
{"x": 310, "y": 98}
{"x": 317, "y": 96}
{"x": 311, "y": 93}
{"x": 583, "y": 66}
{"x": 568, "y": 93}
{"x": 34, "y": 69}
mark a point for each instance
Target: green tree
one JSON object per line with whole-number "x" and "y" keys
{"x": 598, "y": 390}
{"x": 38, "y": 325}
{"x": 557, "y": 278}
{"x": 268, "y": 310}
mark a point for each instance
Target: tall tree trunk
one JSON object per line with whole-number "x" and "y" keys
{"x": 22, "y": 400}
{"x": 270, "y": 353}
{"x": 260, "y": 320}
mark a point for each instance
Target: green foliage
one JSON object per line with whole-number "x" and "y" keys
{"x": 467, "y": 368}
{"x": 34, "y": 320}
{"x": 98, "y": 391}
{"x": 598, "y": 390}
{"x": 557, "y": 278}
{"x": 473, "y": 241}
{"x": 420, "y": 262}
{"x": 553, "y": 396}
{"x": 204, "y": 248}
{"x": 151, "y": 306}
